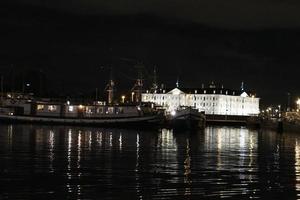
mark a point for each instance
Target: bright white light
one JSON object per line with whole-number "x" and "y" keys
{"x": 173, "y": 112}
{"x": 71, "y": 108}
{"x": 68, "y": 102}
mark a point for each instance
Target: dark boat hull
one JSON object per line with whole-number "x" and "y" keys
{"x": 187, "y": 119}
{"x": 152, "y": 120}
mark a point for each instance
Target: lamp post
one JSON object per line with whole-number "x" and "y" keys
{"x": 123, "y": 98}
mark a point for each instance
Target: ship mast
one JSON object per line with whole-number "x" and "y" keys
{"x": 138, "y": 86}
{"x": 110, "y": 88}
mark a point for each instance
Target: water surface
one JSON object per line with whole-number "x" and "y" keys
{"x": 56, "y": 162}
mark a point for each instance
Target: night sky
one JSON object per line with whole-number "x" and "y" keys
{"x": 71, "y": 44}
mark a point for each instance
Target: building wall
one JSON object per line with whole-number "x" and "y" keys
{"x": 218, "y": 104}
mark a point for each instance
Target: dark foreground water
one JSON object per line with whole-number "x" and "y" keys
{"x": 55, "y": 162}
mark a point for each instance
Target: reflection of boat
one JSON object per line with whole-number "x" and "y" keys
{"x": 64, "y": 113}
{"x": 185, "y": 118}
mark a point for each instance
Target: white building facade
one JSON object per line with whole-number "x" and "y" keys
{"x": 211, "y": 101}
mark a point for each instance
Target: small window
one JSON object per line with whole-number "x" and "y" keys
{"x": 71, "y": 108}
{"x": 52, "y": 108}
{"x": 40, "y": 107}
{"x": 110, "y": 110}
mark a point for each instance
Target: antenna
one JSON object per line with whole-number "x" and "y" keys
{"x": 177, "y": 81}
{"x": 242, "y": 86}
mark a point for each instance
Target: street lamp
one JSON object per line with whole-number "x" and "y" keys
{"x": 123, "y": 98}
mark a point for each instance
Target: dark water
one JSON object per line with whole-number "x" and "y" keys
{"x": 44, "y": 162}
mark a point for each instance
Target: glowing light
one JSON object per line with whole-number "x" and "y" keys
{"x": 71, "y": 108}
{"x": 123, "y": 98}
{"x": 298, "y": 103}
{"x": 173, "y": 112}
{"x": 52, "y": 108}
{"x": 80, "y": 106}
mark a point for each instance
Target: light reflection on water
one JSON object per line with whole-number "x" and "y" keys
{"x": 92, "y": 163}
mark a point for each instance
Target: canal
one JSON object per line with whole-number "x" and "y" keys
{"x": 57, "y": 162}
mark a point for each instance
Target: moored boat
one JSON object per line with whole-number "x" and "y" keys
{"x": 185, "y": 118}
{"x": 78, "y": 114}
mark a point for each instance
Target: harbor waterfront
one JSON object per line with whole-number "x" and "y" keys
{"x": 72, "y": 162}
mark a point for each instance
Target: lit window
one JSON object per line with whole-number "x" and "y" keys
{"x": 71, "y": 108}
{"x": 40, "y": 107}
{"x": 52, "y": 108}
{"x": 110, "y": 110}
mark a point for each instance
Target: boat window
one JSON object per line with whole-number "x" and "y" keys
{"x": 120, "y": 110}
{"x": 40, "y": 107}
{"x": 52, "y": 108}
{"x": 100, "y": 110}
{"x": 71, "y": 108}
{"x": 110, "y": 110}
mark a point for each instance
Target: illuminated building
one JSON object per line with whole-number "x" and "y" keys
{"x": 212, "y": 100}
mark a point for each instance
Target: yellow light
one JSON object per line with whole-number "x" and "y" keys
{"x": 298, "y": 101}
{"x": 80, "y": 106}
{"x": 123, "y": 98}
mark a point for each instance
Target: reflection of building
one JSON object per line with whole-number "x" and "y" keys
{"x": 211, "y": 100}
